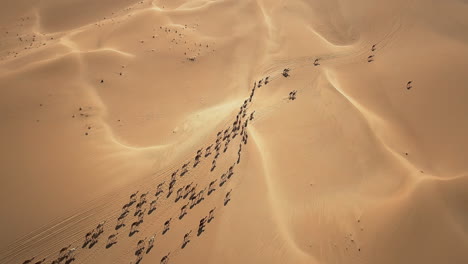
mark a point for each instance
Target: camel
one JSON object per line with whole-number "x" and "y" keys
{"x": 174, "y": 175}
{"x": 183, "y": 211}
{"x": 213, "y": 165}
{"x": 143, "y": 197}
{"x": 88, "y": 237}
{"x": 201, "y": 225}
{"x": 159, "y": 189}
{"x": 292, "y": 95}
{"x": 141, "y": 214}
{"x": 184, "y": 169}
{"x": 185, "y": 165}
{"x": 139, "y": 251}
{"x": 252, "y": 115}
{"x": 133, "y": 197}
{"x": 165, "y": 259}
{"x": 200, "y": 196}
{"x": 167, "y": 225}
{"x": 95, "y": 236}
{"x": 125, "y": 207}
{"x": 63, "y": 251}
{"x": 151, "y": 241}
{"x": 138, "y": 260}
{"x": 123, "y": 214}
{"x": 112, "y": 239}
{"x": 227, "y": 198}
{"x": 100, "y": 227}
{"x": 370, "y": 58}
{"x": 267, "y": 80}
{"x": 138, "y": 208}
{"x": 211, "y": 215}
{"x": 172, "y": 183}
{"x": 28, "y": 261}
{"x": 316, "y": 62}
{"x": 187, "y": 190}
{"x": 230, "y": 171}
{"x": 192, "y": 190}
{"x": 197, "y": 161}
{"x": 120, "y": 223}
{"x": 286, "y": 72}
{"x": 373, "y": 47}
{"x": 223, "y": 179}
{"x": 193, "y": 200}
{"x": 40, "y": 261}
{"x": 141, "y": 243}
{"x": 70, "y": 255}
{"x": 408, "y": 85}
{"x": 186, "y": 239}
{"x": 208, "y": 150}
{"x": 179, "y": 194}
{"x": 153, "y": 205}
{"x": 211, "y": 187}
{"x": 134, "y": 227}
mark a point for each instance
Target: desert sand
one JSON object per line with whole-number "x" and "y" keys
{"x": 234, "y": 131}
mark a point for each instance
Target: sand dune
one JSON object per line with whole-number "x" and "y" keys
{"x": 105, "y": 99}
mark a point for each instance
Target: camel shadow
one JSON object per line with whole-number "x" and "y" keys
{"x": 184, "y": 244}
{"x": 69, "y": 261}
{"x": 200, "y": 200}
{"x": 182, "y": 216}
{"x": 149, "y": 249}
{"x": 92, "y": 244}
{"x": 133, "y": 232}
{"x": 111, "y": 244}
{"x": 200, "y": 231}
{"x": 139, "y": 251}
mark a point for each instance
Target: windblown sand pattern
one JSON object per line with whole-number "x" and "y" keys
{"x": 234, "y": 131}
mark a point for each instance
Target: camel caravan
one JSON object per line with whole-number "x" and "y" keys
{"x": 193, "y": 195}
